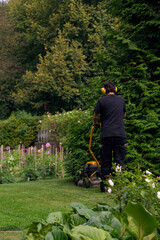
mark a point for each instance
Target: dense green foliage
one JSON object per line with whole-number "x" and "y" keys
{"x": 10, "y": 67}
{"x": 71, "y": 33}
{"x": 103, "y": 223}
{"x": 19, "y": 128}
{"x": 136, "y": 71}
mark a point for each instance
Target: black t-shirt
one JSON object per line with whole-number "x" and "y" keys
{"x": 111, "y": 109}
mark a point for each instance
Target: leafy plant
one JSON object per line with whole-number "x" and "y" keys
{"x": 19, "y": 128}
{"x": 98, "y": 223}
{"x": 136, "y": 186}
{"x": 30, "y": 174}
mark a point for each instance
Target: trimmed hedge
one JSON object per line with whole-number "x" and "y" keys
{"x": 19, "y": 128}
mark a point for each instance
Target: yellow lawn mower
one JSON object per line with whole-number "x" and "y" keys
{"x": 90, "y": 174}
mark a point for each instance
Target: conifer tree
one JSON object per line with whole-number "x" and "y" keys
{"x": 133, "y": 64}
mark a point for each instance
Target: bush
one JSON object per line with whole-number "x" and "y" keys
{"x": 19, "y": 128}
{"x": 73, "y": 130}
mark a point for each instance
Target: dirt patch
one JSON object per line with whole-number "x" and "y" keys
{"x": 11, "y": 235}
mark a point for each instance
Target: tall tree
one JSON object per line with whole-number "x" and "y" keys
{"x": 10, "y": 67}
{"x": 69, "y": 70}
{"x": 133, "y": 64}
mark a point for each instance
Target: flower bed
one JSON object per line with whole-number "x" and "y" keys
{"x": 28, "y": 164}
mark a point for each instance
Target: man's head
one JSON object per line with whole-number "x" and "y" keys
{"x": 108, "y": 87}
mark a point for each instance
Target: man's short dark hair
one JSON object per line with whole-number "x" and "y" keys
{"x": 109, "y": 86}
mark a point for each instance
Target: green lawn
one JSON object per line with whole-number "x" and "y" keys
{"x": 23, "y": 203}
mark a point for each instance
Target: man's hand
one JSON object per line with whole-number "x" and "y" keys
{"x": 95, "y": 118}
{"x": 97, "y": 124}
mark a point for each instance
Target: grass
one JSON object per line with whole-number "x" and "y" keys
{"x": 23, "y": 203}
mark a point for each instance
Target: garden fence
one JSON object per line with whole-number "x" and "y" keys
{"x": 47, "y": 156}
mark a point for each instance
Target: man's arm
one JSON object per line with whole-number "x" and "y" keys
{"x": 95, "y": 118}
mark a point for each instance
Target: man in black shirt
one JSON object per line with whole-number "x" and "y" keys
{"x": 112, "y": 110}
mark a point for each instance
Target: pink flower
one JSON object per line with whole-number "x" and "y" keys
{"x": 40, "y": 121}
{"x": 48, "y": 115}
{"x": 0, "y": 165}
{"x": 7, "y": 148}
{"x": 21, "y": 162}
{"x": 10, "y": 169}
{"x": 4, "y": 157}
{"x": 78, "y": 121}
{"x": 60, "y": 143}
{"x": 48, "y": 145}
{"x": 40, "y": 156}
{"x": 20, "y": 158}
{"x": 48, "y": 152}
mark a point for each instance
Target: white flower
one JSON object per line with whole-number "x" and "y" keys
{"x": 118, "y": 168}
{"x": 158, "y": 195}
{"x": 111, "y": 183}
{"x": 109, "y": 190}
{"x": 147, "y": 180}
{"x": 153, "y": 185}
{"x": 11, "y": 158}
{"x": 148, "y": 173}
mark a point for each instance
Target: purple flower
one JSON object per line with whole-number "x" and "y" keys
{"x": 48, "y": 145}
{"x": 4, "y": 157}
{"x": 7, "y": 148}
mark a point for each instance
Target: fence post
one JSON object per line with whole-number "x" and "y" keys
{"x": 27, "y": 157}
{"x": 56, "y": 162}
{"x": 35, "y": 157}
{"x": 61, "y": 159}
{"x": 1, "y": 157}
{"x": 23, "y": 158}
{"x": 43, "y": 161}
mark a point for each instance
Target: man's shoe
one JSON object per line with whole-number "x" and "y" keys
{"x": 102, "y": 186}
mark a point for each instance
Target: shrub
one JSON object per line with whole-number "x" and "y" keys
{"x": 19, "y": 128}
{"x": 73, "y": 130}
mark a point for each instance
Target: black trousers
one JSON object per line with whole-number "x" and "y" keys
{"x": 117, "y": 145}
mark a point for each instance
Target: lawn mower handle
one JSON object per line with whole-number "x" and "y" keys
{"x": 90, "y": 142}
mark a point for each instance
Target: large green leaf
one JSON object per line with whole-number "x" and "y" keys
{"x": 88, "y": 233}
{"x": 38, "y": 231}
{"x": 106, "y": 220}
{"x": 73, "y": 220}
{"x": 76, "y": 220}
{"x": 56, "y": 235}
{"x": 83, "y": 210}
{"x": 141, "y": 222}
{"x": 58, "y": 217}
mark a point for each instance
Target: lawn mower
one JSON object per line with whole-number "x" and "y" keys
{"x": 90, "y": 174}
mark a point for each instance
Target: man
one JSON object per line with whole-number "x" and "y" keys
{"x": 112, "y": 110}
